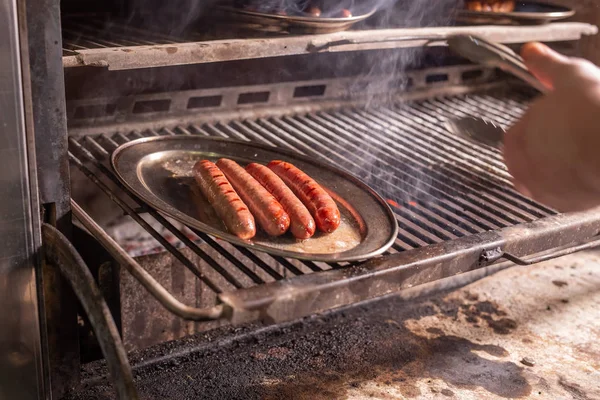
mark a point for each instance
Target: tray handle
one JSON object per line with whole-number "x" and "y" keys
{"x": 595, "y": 242}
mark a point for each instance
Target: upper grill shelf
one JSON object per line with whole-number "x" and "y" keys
{"x": 118, "y": 46}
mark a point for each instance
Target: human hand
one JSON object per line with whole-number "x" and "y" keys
{"x": 553, "y": 152}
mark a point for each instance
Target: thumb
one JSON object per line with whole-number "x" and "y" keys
{"x": 546, "y": 64}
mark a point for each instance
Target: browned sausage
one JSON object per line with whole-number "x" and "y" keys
{"x": 226, "y": 202}
{"x": 315, "y": 198}
{"x": 345, "y": 13}
{"x": 508, "y": 6}
{"x": 313, "y": 11}
{"x": 474, "y": 5}
{"x": 302, "y": 224}
{"x": 269, "y": 213}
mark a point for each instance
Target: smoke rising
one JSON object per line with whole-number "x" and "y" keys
{"x": 181, "y": 17}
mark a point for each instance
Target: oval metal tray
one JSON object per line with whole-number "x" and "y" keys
{"x": 291, "y": 23}
{"x": 525, "y": 12}
{"x": 159, "y": 171}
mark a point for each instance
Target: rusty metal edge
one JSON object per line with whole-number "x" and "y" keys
{"x": 300, "y": 296}
{"x": 164, "y": 55}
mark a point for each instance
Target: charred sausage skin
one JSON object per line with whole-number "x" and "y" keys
{"x": 313, "y": 196}
{"x": 224, "y": 199}
{"x": 268, "y": 212}
{"x": 302, "y": 224}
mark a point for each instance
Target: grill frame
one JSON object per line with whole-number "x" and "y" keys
{"x": 143, "y": 48}
{"x": 505, "y": 222}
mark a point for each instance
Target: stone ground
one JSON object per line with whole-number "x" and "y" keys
{"x": 525, "y": 332}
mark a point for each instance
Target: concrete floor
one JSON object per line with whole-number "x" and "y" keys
{"x": 525, "y": 332}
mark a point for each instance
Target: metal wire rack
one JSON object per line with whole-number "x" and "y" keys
{"x": 82, "y": 33}
{"x": 441, "y": 187}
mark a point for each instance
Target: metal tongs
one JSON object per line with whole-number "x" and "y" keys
{"x": 495, "y": 55}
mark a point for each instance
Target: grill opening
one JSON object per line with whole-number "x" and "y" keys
{"x": 149, "y": 106}
{"x": 310, "y": 91}
{"x": 253, "y": 97}
{"x": 436, "y": 78}
{"x": 95, "y": 111}
{"x": 204, "y": 102}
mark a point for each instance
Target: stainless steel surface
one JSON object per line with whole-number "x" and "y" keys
{"x": 147, "y": 281}
{"x": 45, "y": 101}
{"x": 292, "y": 23}
{"x": 159, "y": 171}
{"x": 481, "y": 51}
{"x": 526, "y": 12}
{"x": 20, "y": 343}
{"x": 478, "y": 129}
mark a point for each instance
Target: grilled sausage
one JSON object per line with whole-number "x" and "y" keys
{"x": 491, "y": 5}
{"x": 302, "y": 224}
{"x": 345, "y": 13}
{"x": 313, "y": 11}
{"x": 474, "y": 6}
{"x": 507, "y": 6}
{"x": 269, "y": 213}
{"x": 226, "y": 202}
{"x": 315, "y": 198}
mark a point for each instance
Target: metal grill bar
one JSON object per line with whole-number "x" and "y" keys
{"x": 463, "y": 179}
{"x": 147, "y": 227}
{"x": 475, "y": 165}
{"x": 163, "y": 221}
{"x": 441, "y": 188}
{"x": 407, "y": 175}
{"x": 257, "y": 261}
{"x": 79, "y": 34}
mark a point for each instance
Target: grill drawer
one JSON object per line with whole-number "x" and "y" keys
{"x": 452, "y": 198}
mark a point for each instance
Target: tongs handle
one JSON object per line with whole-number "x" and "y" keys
{"x": 481, "y": 51}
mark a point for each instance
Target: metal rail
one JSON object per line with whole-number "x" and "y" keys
{"x": 61, "y": 253}
{"x": 447, "y": 194}
{"x": 155, "y": 289}
{"x": 93, "y": 44}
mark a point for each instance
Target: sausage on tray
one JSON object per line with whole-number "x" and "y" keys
{"x": 315, "y": 198}
{"x": 268, "y": 211}
{"x": 226, "y": 202}
{"x": 302, "y": 224}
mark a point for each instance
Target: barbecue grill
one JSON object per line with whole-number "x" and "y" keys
{"x": 373, "y": 101}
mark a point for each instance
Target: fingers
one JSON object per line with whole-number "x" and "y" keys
{"x": 516, "y": 158}
{"x": 546, "y": 64}
{"x": 544, "y": 166}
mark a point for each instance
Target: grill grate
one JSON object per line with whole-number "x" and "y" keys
{"x": 440, "y": 187}
{"x": 100, "y": 32}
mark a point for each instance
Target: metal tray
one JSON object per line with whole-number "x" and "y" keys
{"x": 265, "y": 22}
{"x": 159, "y": 171}
{"x": 525, "y": 13}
